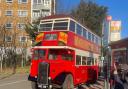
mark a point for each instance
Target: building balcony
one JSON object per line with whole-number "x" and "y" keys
{"x": 40, "y": 6}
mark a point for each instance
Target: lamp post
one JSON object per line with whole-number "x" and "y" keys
{"x": 107, "y": 50}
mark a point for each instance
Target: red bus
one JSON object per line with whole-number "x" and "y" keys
{"x": 66, "y": 54}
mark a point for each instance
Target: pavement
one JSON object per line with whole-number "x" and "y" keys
{"x": 19, "y": 81}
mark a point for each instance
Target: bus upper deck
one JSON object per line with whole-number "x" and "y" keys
{"x": 66, "y": 23}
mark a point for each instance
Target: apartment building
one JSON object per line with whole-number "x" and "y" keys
{"x": 42, "y": 8}
{"x": 14, "y": 14}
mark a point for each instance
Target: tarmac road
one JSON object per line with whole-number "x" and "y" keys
{"x": 19, "y": 81}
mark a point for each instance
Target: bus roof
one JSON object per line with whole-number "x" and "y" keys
{"x": 56, "y": 16}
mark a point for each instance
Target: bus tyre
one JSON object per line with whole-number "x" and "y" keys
{"x": 34, "y": 85}
{"x": 68, "y": 82}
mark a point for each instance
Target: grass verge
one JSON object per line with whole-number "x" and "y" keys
{"x": 9, "y": 71}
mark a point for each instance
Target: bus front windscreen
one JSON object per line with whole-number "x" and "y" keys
{"x": 39, "y": 54}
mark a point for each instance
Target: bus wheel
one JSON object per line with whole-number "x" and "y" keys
{"x": 68, "y": 82}
{"x": 34, "y": 85}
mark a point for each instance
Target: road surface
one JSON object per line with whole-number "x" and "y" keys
{"x": 19, "y": 81}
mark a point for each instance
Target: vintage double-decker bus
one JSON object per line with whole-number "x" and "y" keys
{"x": 66, "y": 54}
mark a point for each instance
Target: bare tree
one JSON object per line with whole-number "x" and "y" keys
{"x": 2, "y": 45}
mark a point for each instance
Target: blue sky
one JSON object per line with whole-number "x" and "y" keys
{"x": 118, "y": 9}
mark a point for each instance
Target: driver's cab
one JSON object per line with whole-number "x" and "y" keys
{"x": 53, "y": 54}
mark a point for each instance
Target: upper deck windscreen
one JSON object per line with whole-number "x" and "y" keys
{"x": 54, "y": 24}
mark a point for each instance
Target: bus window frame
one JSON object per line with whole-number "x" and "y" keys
{"x": 47, "y": 27}
{"x": 54, "y": 29}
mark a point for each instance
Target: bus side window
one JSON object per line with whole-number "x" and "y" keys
{"x": 89, "y": 62}
{"x": 95, "y": 61}
{"x": 78, "y": 60}
{"x": 84, "y": 61}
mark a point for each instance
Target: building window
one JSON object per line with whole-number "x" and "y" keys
{"x": 8, "y": 38}
{"x": 22, "y": 13}
{"x": 22, "y": 1}
{"x": 20, "y": 26}
{"x": 8, "y": 13}
{"x": 45, "y": 12}
{"x": 23, "y": 38}
{"x": 9, "y": 25}
{"x": 9, "y": 1}
{"x": 47, "y": 2}
{"x": 37, "y": 2}
{"x": 36, "y": 13}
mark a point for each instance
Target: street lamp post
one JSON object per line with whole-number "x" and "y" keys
{"x": 108, "y": 51}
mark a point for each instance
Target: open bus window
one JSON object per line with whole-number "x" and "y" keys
{"x": 78, "y": 60}
{"x": 84, "y": 61}
{"x": 50, "y": 37}
{"x": 67, "y": 57}
{"x": 39, "y": 54}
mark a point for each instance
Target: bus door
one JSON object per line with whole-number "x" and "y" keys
{"x": 81, "y": 68}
